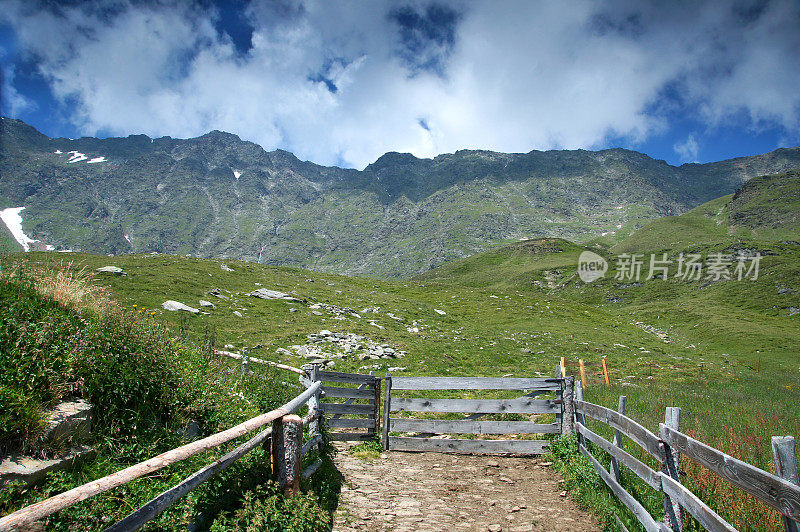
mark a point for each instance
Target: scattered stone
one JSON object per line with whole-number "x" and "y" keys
{"x": 317, "y": 313}
{"x": 793, "y": 311}
{"x": 72, "y": 419}
{"x": 265, "y": 293}
{"x": 176, "y": 305}
{"x": 216, "y": 292}
{"x": 495, "y": 528}
{"x": 204, "y": 303}
{"x": 237, "y": 313}
{"x": 111, "y": 269}
{"x": 441, "y": 312}
{"x": 562, "y": 494}
{"x": 30, "y": 470}
{"x": 284, "y": 352}
{"x": 393, "y": 369}
{"x": 225, "y": 268}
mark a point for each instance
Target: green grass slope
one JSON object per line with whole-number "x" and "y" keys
{"x": 520, "y": 265}
{"x": 764, "y": 209}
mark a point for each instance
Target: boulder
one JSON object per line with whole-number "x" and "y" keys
{"x": 204, "y": 303}
{"x": 265, "y": 293}
{"x": 177, "y": 305}
{"x": 69, "y": 420}
{"x": 225, "y": 268}
{"x": 111, "y": 269}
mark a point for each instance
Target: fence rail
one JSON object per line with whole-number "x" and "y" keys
{"x": 286, "y": 448}
{"x": 368, "y": 410}
{"x": 780, "y": 491}
{"x": 476, "y": 408}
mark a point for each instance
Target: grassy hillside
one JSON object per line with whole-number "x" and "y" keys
{"x": 725, "y": 352}
{"x": 60, "y": 338}
{"x": 7, "y": 242}
{"x": 764, "y": 209}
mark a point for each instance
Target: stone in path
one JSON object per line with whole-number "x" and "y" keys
{"x": 431, "y": 491}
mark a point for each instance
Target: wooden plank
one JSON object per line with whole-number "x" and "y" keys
{"x": 650, "y": 477}
{"x": 387, "y": 406}
{"x": 521, "y": 405}
{"x": 347, "y": 393}
{"x": 626, "y": 498}
{"x": 620, "y": 524}
{"x": 315, "y": 440}
{"x": 771, "y": 489}
{"x": 36, "y": 512}
{"x": 671, "y": 468}
{"x": 351, "y": 423}
{"x": 352, "y": 378}
{"x": 633, "y": 430}
{"x": 474, "y": 383}
{"x": 441, "y": 426}
{"x": 310, "y": 470}
{"x": 398, "y": 443}
{"x": 350, "y": 436}
{"x": 785, "y": 457}
{"x": 705, "y": 516}
{"x": 333, "y": 408}
{"x": 618, "y": 438}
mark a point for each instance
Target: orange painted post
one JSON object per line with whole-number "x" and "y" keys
{"x": 563, "y": 368}
{"x": 605, "y": 372}
{"x": 583, "y": 374}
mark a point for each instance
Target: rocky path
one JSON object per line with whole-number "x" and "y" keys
{"x": 430, "y": 491}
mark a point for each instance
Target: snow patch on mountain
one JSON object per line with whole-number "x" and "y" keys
{"x": 77, "y": 157}
{"x": 13, "y": 221}
{"x": 96, "y": 160}
{"x": 236, "y": 174}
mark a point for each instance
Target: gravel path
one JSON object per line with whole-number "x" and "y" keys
{"x": 403, "y": 491}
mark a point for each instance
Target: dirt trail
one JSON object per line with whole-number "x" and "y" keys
{"x": 403, "y": 491}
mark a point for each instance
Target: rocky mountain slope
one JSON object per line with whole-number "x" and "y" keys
{"x": 219, "y": 196}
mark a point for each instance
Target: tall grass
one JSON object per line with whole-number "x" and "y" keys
{"x": 60, "y": 337}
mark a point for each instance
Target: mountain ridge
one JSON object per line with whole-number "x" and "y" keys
{"x": 219, "y": 196}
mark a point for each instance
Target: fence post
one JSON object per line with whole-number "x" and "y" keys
{"x": 313, "y": 401}
{"x": 671, "y": 468}
{"x": 578, "y": 416}
{"x": 560, "y": 397}
{"x": 387, "y": 399}
{"x": 605, "y": 372}
{"x": 783, "y": 452}
{"x": 568, "y": 418}
{"x": 376, "y": 397}
{"x": 287, "y": 442}
{"x": 618, "y": 438}
{"x": 583, "y": 373}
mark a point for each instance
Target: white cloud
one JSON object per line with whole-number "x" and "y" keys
{"x": 520, "y": 76}
{"x": 688, "y": 149}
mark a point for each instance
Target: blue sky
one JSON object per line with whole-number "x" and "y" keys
{"x": 343, "y": 82}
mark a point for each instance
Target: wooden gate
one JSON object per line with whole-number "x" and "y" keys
{"x": 347, "y": 419}
{"x": 471, "y": 424}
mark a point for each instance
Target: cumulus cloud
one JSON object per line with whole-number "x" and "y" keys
{"x": 346, "y": 82}
{"x": 688, "y": 149}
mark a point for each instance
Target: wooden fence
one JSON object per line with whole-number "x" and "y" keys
{"x": 779, "y": 491}
{"x": 527, "y": 404}
{"x": 361, "y": 405}
{"x": 286, "y": 448}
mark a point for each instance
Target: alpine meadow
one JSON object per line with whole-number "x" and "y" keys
{"x": 371, "y": 266}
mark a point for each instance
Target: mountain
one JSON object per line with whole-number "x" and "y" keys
{"x": 219, "y": 196}
{"x": 764, "y": 209}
